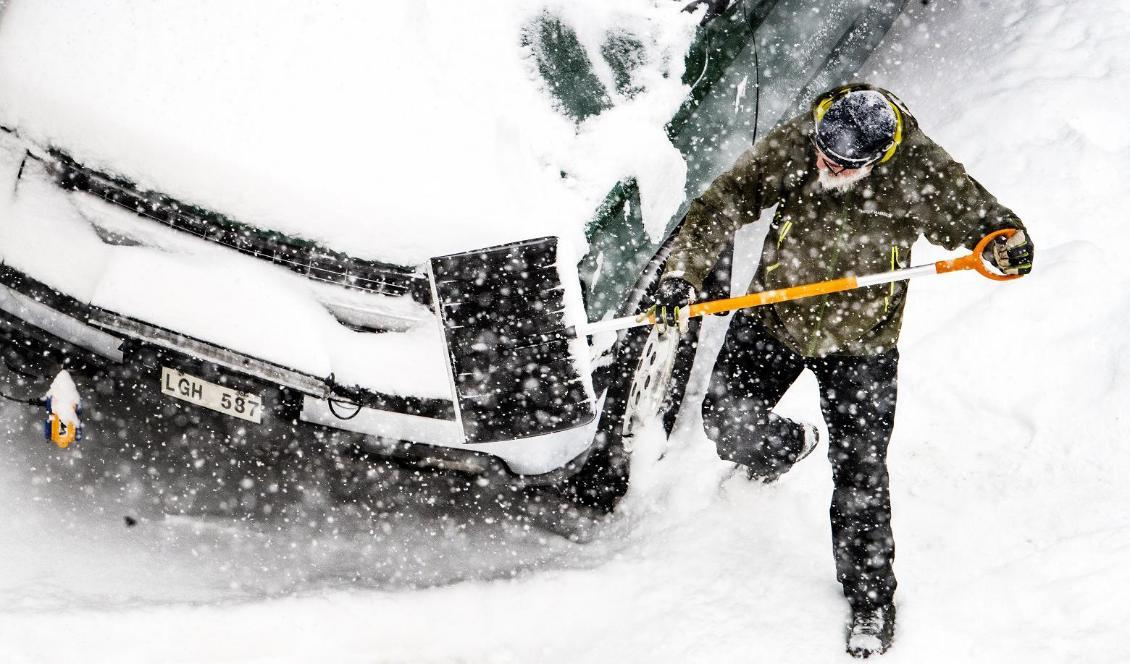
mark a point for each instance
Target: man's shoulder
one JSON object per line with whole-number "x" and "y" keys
{"x": 798, "y": 127}
{"x": 785, "y": 141}
{"x": 919, "y": 151}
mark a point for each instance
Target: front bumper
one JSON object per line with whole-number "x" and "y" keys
{"x": 40, "y": 322}
{"x": 75, "y": 283}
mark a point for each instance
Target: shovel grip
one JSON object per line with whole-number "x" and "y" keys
{"x": 974, "y": 261}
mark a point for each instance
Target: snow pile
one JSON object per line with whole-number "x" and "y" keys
{"x": 1008, "y": 463}
{"x": 389, "y": 130}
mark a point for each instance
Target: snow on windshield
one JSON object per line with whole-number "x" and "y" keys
{"x": 387, "y": 130}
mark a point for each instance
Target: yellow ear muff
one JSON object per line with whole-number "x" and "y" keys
{"x": 898, "y": 134}
{"x": 822, "y": 107}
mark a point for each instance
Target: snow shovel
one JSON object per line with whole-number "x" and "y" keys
{"x": 514, "y": 327}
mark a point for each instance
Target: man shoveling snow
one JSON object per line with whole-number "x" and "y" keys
{"x": 855, "y": 183}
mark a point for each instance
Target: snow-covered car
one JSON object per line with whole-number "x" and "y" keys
{"x": 216, "y": 224}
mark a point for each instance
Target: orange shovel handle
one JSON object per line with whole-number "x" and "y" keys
{"x": 773, "y": 296}
{"x": 973, "y": 261}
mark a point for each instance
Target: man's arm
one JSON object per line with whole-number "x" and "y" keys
{"x": 953, "y": 208}
{"x": 733, "y": 200}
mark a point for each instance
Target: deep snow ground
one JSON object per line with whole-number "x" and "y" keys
{"x": 1012, "y": 513}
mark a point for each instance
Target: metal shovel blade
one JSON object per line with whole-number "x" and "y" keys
{"x": 517, "y": 366}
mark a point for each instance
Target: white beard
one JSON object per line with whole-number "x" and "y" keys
{"x": 832, "y": 182}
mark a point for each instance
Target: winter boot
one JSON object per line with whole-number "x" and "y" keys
{"x": 871, "y": 631}
{"x": 811, "y": 440}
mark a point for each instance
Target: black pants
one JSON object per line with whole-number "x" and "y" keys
{"x": 857, "y": 397}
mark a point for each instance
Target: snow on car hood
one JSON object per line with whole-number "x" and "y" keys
{"x": 393, "y": 131}
{"x": 203, "y": 291}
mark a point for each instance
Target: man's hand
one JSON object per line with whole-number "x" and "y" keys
{"x": 671, "y": 305}
{"x": 1012, "y": 256}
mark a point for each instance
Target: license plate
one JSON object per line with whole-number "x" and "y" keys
{"x": 221, "y": 399}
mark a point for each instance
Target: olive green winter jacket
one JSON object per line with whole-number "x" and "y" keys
{"x": 819, "y": 234}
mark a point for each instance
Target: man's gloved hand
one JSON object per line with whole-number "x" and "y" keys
{"x": 1013, "y": 255}
{"x": 671, "y": 305}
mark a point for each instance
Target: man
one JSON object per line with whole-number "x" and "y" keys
{"x": 855, "y": 182}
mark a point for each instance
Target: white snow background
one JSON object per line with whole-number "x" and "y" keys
{"x": 1009, "y": 466}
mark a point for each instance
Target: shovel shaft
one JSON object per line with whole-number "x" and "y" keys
{"x": 807, "y": 290}
{"x": 969, "y": 262}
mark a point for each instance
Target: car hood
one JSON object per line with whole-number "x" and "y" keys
{"x": 392, "y": 131}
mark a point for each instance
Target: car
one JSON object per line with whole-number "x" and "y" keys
{"x": 202, "y": 284}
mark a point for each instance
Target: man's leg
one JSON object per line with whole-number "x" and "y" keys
{"x": 858, "y": 397}
{"x": 752, "y": 373}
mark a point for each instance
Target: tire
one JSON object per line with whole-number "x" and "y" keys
{"x": 603, "y": 478}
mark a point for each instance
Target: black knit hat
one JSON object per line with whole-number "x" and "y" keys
{"x": 857, "y": 128}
